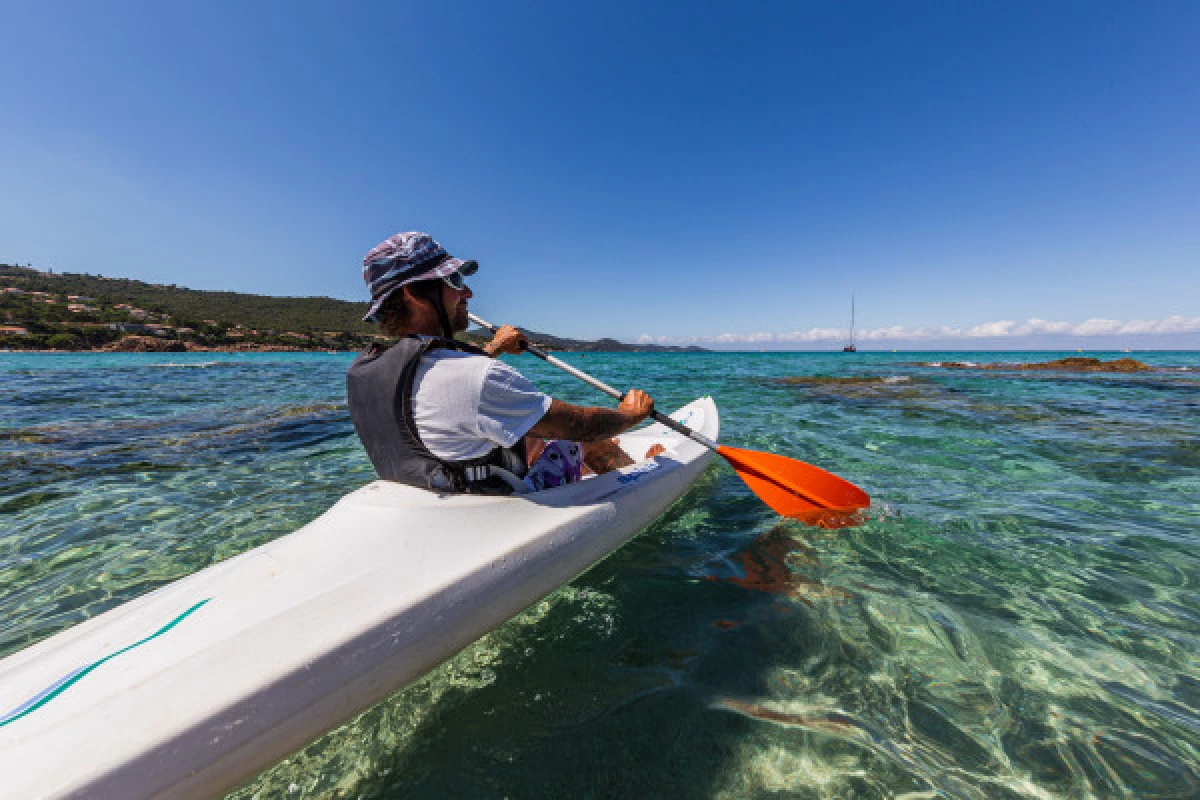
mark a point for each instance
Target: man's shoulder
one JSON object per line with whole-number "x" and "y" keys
{"x": 481, "y": 370}
{"x": 377, "y": 351}
{"x": 455, "y": 364}
{"x": 447, "y": 355}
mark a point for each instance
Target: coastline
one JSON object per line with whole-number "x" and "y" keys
{"x": 131, "y": 344}
{"x": 198, "y": 349}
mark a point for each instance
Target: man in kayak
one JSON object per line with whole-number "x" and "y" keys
{"x": 439, "y": 414}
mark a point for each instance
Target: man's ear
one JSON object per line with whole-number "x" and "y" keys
{"x": 411, "y": 296}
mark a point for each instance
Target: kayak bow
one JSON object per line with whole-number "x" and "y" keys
{"x": 195, "y": 688}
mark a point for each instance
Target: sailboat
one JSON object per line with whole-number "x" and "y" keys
{"x": 850, "y": 348}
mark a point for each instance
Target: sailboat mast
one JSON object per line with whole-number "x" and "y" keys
{"x": 850, "y": 348}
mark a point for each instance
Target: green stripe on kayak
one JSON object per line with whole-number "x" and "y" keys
{"x": 55, "y": 690}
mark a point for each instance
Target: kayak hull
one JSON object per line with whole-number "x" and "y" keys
{"x": 195, "y": 688}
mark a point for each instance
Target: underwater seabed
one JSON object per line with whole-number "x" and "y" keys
{"x": 1016, "y": 617}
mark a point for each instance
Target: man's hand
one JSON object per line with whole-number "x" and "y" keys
{"x": 637, "y": 405}
{"x": 507, "y": 340}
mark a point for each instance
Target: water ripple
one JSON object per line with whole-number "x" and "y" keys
{"x": 1016, "y": 617}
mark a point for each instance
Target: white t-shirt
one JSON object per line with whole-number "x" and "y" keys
{"x": 465, "y": 405}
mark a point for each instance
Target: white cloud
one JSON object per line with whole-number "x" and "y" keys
{"x": 1041, "y": 326}
{"x": 1175, "y": 324}
{"x": 812, "y": 335}
{"x": 1098, "y": 327}
{"x": 1002, "y": 328}
{"x": 1148, "y": 325}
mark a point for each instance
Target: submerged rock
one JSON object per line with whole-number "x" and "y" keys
{"x": 954, "y": 364}
{"x": 864, "y": 387}
{"x": 1071, "y": 364}
{"x": 1081, "y": 364}
{"x": 825, "y": 380}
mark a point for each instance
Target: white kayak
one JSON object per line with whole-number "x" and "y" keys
{"x": 197, "y": 687}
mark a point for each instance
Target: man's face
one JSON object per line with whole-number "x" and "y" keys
{"x": 455, "y": 301}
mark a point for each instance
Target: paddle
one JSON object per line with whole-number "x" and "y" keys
{"x": 790, "y": 487}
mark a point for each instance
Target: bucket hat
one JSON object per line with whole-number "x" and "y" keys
{"x": 404, "y": 258}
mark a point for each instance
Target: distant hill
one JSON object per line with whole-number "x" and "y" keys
{"x": 599, "y": 346}
{"x": 72, "y": 311}
{"x": 194, "y": 305}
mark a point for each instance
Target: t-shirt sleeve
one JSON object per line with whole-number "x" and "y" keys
{"x": 508, "y": 405}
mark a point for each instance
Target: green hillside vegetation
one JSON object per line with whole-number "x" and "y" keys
{"x": 69, "y": 311}
{"x": 189, "y": 307}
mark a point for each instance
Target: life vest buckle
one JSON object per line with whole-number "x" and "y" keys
{"x": 478, "y": 473}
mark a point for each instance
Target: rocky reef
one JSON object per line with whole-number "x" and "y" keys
{"x": 1071, "y": 364}
{"x": 1081, "y": 364}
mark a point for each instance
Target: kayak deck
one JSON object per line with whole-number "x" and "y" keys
{"x": 194, "y": 688}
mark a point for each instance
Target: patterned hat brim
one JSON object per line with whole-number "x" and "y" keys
{"x": 448, "y": 266}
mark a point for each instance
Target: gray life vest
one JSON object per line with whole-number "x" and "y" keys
{"x": 379, "y": 387}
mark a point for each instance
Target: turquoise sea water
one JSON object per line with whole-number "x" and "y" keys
{"x": 1019, "y": 615}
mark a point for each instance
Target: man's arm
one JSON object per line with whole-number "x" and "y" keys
{"x": 592, "y": 423}
{"x": 576, "y": 423}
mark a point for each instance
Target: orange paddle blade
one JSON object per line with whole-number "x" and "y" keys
{"x": 792, "y": 488}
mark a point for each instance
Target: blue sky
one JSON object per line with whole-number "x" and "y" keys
{"x": 675, "y": 172}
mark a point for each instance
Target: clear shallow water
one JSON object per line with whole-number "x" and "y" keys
{"x": 1018, "y": 617}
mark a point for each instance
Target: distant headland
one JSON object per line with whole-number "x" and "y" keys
{"x": 70, "y": 311}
